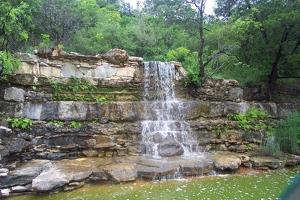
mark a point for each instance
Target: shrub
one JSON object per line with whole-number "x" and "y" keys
{"x": 287, "y": 133}
{"x": 270, "y": 147}
{"x": 189, "y": 62}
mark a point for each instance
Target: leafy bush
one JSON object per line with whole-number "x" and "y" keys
{"x": 189, "y": 62}
{"x": 270, "y": 148}
{"x": 254, "y": 120}
{"x": 287, "y": 133}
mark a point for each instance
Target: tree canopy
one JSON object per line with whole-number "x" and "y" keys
{"x": 253, "y": 41}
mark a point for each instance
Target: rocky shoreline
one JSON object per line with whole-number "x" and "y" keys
{"x": 40, "y": 176}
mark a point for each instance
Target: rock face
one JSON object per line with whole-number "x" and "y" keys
{"x": 24, "y": 174}
{"x": 102, "y": 148}
{"x": 50, "y": 179}
{"x": 4, "y": 132}
{"x": 14, "y": 94}
{"x": 169, "y": 147}
{"x": 116, "y": 64}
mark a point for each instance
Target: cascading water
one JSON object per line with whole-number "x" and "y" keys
{"x": 165, "y": 114}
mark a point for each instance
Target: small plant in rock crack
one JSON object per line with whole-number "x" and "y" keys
{"x": 60, "y": 123}
{"x": 76, "y": 124}
{"x": 20, "y": 123}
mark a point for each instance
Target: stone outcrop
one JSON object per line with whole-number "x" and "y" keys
{"x": 103, "y": 139}
{"x": 14, "y": 94}
{"x": 169, "y": 147}
{"x": 115, "y": 64}
{"x": 47, "y": 176}
{"x": 226, "y": 162}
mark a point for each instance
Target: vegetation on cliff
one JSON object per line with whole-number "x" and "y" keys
{"x": 255, "y": 42}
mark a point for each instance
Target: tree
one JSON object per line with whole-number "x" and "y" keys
{"x": 14, "y": 15}
{"x": 267, "y": 41}
{"x": 59, "y": 19}
{"x": 227, "y": 8}
{"x": 102, "y": 33}
{"x": 200, "y": 21}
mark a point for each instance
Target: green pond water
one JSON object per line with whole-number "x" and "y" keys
{"x": 248, "y": 185}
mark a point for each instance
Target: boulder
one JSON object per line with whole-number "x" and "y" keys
{"x": 156, "y": 172}
{"x": 155, "y": 169}
{"x": 24, "y": 174}
{"x": 235, "y": 94}
{"x": 90, "y": 153}
{"x": 27, "y": 57}
{"x": 5, "y": 192}
{"x": 14, "y": 94}
{"x": 4, "y": 132}
{"x": 196, "y": 167}
{"x": 225, "y": 162}
{"x": 242, "y": 148}
{"x": 170, "y": 147}
{"x": 266, "y": 163}
{"x": 73, "y": 185}
{"x": 90, "y": 143}
{"x": 19, "y": 188}
{"x": 37, "y": 96}
{"x": 15, "y": 145}
{"x": 120, "y": 172}
{"x": 50, "y": 179}
{"x": 116, "y": 56}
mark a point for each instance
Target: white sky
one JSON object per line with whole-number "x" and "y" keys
{"x": 208, "y": 7}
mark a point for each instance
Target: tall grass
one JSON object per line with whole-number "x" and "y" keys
{"x": 287, "y": 134}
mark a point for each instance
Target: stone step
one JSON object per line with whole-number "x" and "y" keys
{"x": 105, "y": 145}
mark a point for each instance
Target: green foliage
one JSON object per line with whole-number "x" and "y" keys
{"x": 20, "y": 123}
{"x": 46, "y": 43}
{"x": 71, "y": 91}
{"x": 260, "y": 40}
{"x": 60, "y": 123}
{"x": 189, "y": 62}
{"x": 14, "y": 17}
{"x": 76, "y": 124}
{"x": 253, "y": 120}
{"x": 100, "y": 99}
{"x": 220, "y": 129}
{"x": 8, "y": 63}
{"x": 287, "y": 133}
{"x": 244, "y": 43}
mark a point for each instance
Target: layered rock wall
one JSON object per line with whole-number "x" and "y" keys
{"x": 63, "y": 129}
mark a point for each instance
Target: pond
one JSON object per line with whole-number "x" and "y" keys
{"x": 248, "y": 184}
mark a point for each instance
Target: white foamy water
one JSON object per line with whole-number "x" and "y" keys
{"x": 166, "y": 114}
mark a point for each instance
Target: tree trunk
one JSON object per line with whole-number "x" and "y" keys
{"x": 272, "y": 83}
{"x": 202, "y": 40}
{"x": 273, "y": 75}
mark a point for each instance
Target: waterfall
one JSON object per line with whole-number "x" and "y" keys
{"x": 166, "y": 119}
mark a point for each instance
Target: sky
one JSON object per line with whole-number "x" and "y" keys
{"x": 208, "y": 7}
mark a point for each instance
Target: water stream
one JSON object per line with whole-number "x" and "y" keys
{"x": 165, "y": 113}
